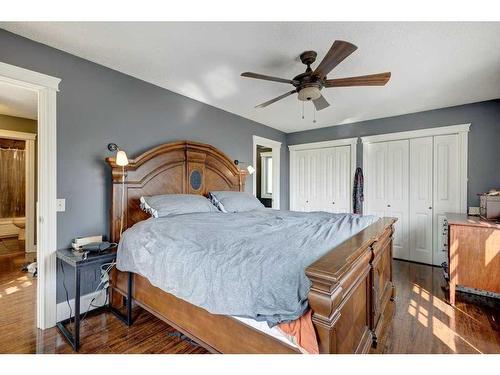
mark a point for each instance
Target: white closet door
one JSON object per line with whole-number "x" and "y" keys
{"x": 421, "y": 191}
{"x": 331, "y": 179}
{"x": 375, "y": 178}
{"x": 301, "y": 181}
{"x": 316, "y": 200}
{"x": 397, "y": 179}
{"x": 337, "y": 179}
{"x": 446, "y": 188}
{"x": 343, "y": 191}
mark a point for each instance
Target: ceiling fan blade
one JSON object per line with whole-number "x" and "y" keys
{"x": 379, "y": 79}
{"x": 337, "y": 53}
{"x": 321, "y": 103}
{"x": 275, "y": 99}
{"x": 266, "y": 78}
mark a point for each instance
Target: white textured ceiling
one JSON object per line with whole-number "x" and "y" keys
{"x": 18, "y": 102}
{"x": 433, "y": 65}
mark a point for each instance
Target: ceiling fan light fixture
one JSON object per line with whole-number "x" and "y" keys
{"x": 309, "y": 93}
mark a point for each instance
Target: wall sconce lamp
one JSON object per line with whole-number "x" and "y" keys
{"x": 121, "y": 156}
{"x": 250, "y": 169}
{"x": 121, "y": 160}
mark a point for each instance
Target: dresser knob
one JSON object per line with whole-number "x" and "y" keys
{"x": 333, "y": 202}
{"x": 388, "y": 205}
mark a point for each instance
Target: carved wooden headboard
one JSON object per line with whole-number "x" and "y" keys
{"x": 180, "y": 167}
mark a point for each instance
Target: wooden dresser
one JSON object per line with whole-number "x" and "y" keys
{"x": 474, "y": 255}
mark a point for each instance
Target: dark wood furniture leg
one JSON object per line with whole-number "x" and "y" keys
{"x": 73, "y": 338}
{"x": 127, "y": 317}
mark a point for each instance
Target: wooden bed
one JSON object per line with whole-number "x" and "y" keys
{"x": 351, "y": 285}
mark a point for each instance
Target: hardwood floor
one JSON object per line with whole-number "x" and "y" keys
{"x": 423, "y": 322}
{"x": 11, "y": 246}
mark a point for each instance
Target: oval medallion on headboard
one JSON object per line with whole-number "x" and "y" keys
{"x": 195, "y": 179}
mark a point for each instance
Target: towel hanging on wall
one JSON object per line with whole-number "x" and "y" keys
{"x": 357, "y": 194}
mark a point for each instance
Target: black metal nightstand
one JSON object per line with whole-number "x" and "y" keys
{"x": 79, "y": 262}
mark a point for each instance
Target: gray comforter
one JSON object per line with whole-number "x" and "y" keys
{"x": 248, "y": 264}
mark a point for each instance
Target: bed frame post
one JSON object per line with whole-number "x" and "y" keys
{"x": 342, "y": 291}
{"x": 324, "y": 304}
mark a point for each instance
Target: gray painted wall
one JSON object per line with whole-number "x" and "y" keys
{"x": 97, "y": 105}
{"x": 484, "y": 138}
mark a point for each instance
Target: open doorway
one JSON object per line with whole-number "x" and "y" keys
{"x": 45, "y": 89}
{"x": 266, "y": 179}
{"x": 18, "y": 195}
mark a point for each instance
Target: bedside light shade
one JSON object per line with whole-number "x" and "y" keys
{"x": 121, "y": 158}
{"x": 251, "y": 169}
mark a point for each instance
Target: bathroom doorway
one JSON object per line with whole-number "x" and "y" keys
{"x": 266, "y": 180}
{"x": 18, "y": 194}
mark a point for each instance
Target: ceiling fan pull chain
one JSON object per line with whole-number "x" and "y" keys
{"x": 314, "y": 118}
{"x": 302, "y": 110}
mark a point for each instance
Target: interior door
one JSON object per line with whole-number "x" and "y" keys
{"x": 343, "y": 196}
{"x": 446, "y": 193}
{"x": 316, "y": 199}
{"x": 375, "y": 178}
{"x": 397, "y": 179}
{"x": 337, "y": 179}
{"x": 301, "y": 181}
{"x": 331, "y": 179}
{"x": 421, "y": 191}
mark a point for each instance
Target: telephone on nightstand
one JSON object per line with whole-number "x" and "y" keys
{"x": 91, "y": 244}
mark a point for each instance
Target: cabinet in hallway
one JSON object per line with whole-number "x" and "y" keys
{"x": 321, "y": 176}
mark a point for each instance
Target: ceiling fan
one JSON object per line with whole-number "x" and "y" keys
{"x": 308, "y": 85}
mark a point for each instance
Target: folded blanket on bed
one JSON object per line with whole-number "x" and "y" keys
{"x": 249, "y": 264}
{"x": 301, "y": 332}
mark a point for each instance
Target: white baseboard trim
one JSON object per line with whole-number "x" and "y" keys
{"x": 63, "y": 308}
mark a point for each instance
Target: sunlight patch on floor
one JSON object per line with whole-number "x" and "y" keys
{"x": 11, "y": 290}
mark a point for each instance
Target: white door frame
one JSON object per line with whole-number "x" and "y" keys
{"x": 29, "y": 215}
{"x": 462, "y": 130}
{"x": 276, "y": 150}
{"x": 46, "y": 87}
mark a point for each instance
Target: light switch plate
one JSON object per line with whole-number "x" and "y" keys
{"x": 61, "y": 205}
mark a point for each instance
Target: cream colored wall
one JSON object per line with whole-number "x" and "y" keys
{"x": 17, "y": 124}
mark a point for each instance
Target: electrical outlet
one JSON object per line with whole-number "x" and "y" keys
{"x": 61, "y": 205}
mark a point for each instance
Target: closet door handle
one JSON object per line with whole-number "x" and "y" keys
{"x": 430, "y": 207}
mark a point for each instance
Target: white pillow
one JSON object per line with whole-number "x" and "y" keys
{"x": 234, "y": 201}
{"x": 176, "y": 204}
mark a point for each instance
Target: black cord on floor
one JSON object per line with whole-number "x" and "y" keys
{"x": 66, "y": 291}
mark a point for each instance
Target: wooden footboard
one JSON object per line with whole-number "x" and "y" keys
{"x": 351, "y": 286}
